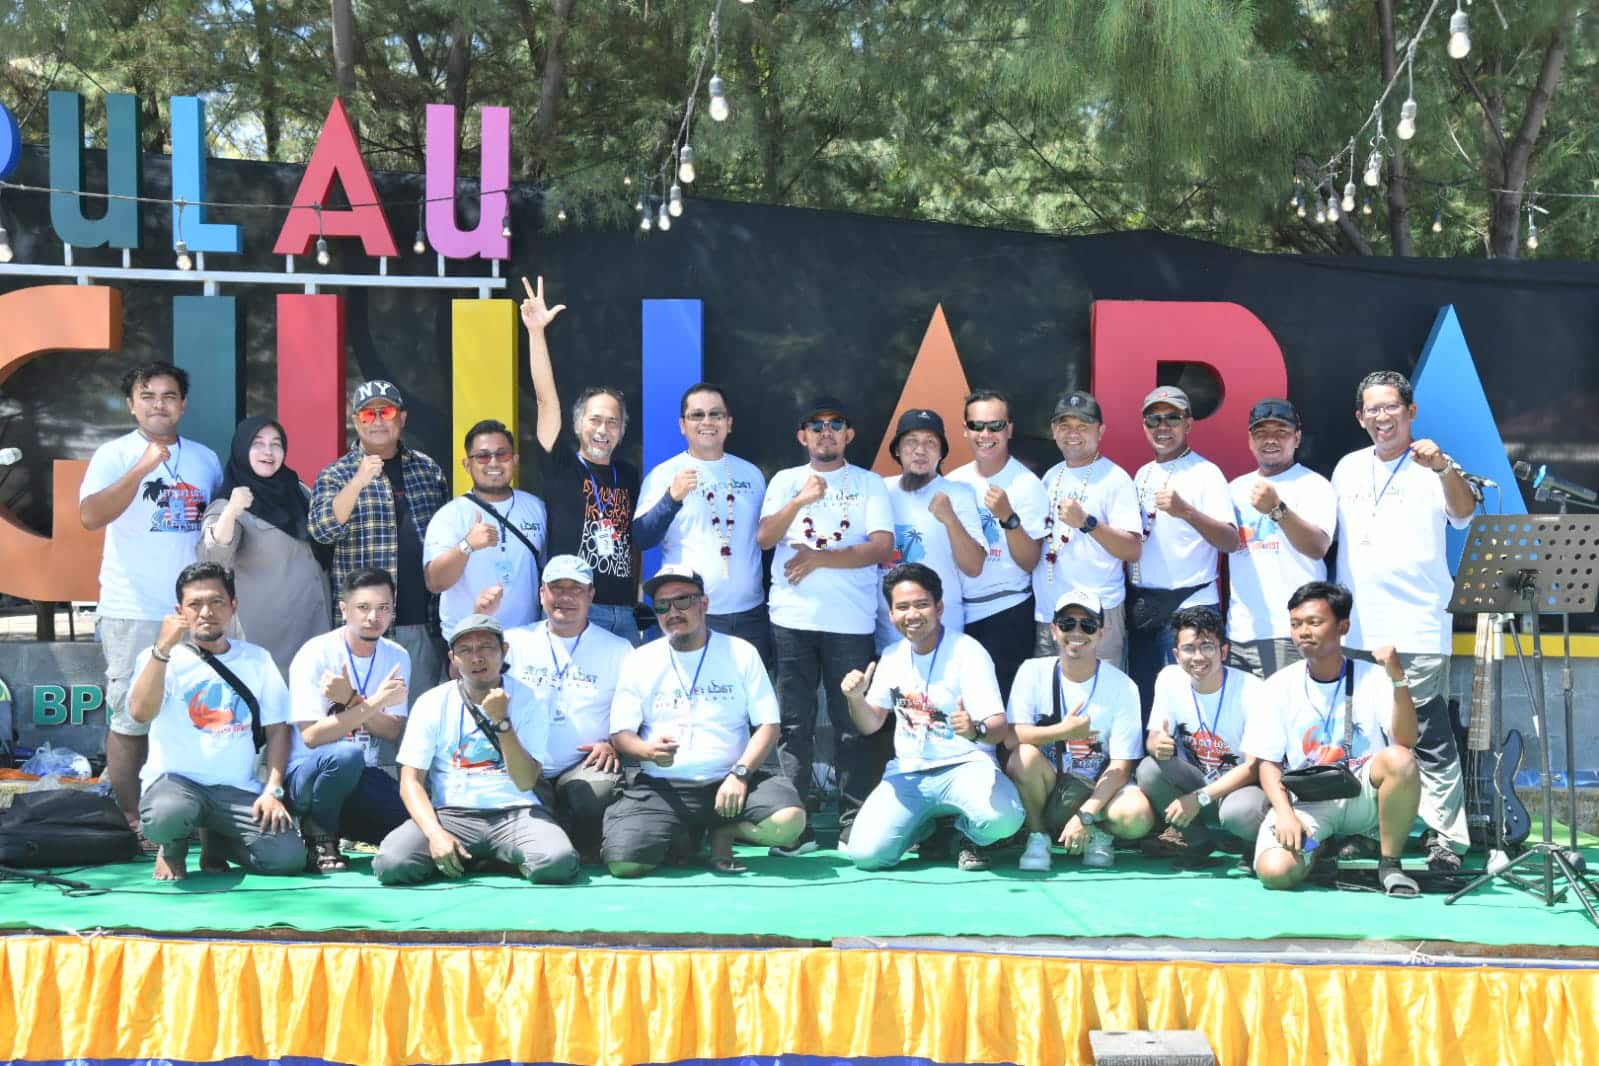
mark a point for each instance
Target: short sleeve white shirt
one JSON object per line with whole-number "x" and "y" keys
{"x": 1266, "y": 569}
{"x": 147, "y": 545}
{"x": 828, "y": 600}
{"x": 508, "y": 564}
{"x": 712, "y": 533}
{"x": 1175, "y": 556}
{"x": 329, "y": 653}
{"x": 1071, "y": 558}
{"x": 464, "y": 767}
{"x": 1302, "y": 720}
{"x": 1215, "y": 722}
{"x": 708, "y": 700}
{"x": 1109, "y": 699}
{"x": 1003, "y": 583}
{"x": 921, "y": 694}
{"x": 202, "y": 731}
{"x": 921, "y": 538}
{"x": 573, "y": 680}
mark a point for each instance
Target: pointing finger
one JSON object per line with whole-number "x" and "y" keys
{"x": 529, "y": 288}
{"x": 393, "y": 674}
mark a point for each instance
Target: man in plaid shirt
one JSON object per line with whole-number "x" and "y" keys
{"x": 372, "y": 506}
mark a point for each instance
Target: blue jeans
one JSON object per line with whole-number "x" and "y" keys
{"x": 335, "y": 787}
{"x": 985, "y": 804}
{"x": 616, "y": 618}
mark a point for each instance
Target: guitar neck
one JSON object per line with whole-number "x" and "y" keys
{"x": 1482, "y": 685}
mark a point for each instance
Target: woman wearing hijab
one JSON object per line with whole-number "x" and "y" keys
{"x": 257, "y": 526}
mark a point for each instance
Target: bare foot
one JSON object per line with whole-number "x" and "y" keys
{"x": 171, "y": 868}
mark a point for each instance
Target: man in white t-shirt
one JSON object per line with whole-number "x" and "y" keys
{"x": 1312, "y": 707}
{"x": 1286, "y": 514}
{"x": 939, "y": 690}
{"x": 202, "y": 729}
{"x": 1395, "y": 500}
{"x": 478, "y": 742}
{"x": 1075, "y": 717}
{"x": 1208, "y": 786}
{"x": 1012, "y": 506}
{"x": 148, "y": 490}
{"x": 702, "y": 506}
{"x": 697, "y": 711}
{"x": 935, "y": 519}
{"x": 1187, "y": 521}
{"x": 831, "y": 527}
{"x": 347, "y": 699}
{"x": 1091, "y": 528}
{"x": 481, "y": 550}
{"x": 573, "y": 669}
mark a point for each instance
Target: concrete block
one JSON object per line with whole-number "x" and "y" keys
{"x": 1147, "y": 1047}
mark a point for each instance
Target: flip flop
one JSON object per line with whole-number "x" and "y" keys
{"x": 1395, "y": 882}
{"x": 728, "y": 865}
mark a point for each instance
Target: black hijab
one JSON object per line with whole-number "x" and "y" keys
{"x": 279, "y": 500}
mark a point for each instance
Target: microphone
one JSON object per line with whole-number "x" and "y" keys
{"x": 1479, "y": 481}
{"x": 10, "y": 456}
{"x": 1546, "y": 484}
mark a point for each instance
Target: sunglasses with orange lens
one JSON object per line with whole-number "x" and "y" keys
{"x": 368, "y": 415}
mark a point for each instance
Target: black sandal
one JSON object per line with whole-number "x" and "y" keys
{"x": 322, "y": 855}
{"x": 1395, "y": 882}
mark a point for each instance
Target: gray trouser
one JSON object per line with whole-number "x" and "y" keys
{"x": 173, "y": 807}
{"x": 1239, "y": 813}
{"x": 524, "y": 837}
{"x": 579, "y": 796}
{"x": 1262, "y": 657}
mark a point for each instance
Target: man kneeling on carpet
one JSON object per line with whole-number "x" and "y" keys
{"x": 941, "y": 692}
{"x": 1077, "y": 725}
{"x": 479, "y": 739}
{"x": 1325, "y": 712}
{"x": 698, "y": 712}
{"x": 206, "y": 699}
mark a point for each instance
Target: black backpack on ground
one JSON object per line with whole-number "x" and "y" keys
{"x": 64, "y": 827}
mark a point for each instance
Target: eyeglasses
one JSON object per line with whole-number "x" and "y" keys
{"x": 705, "y": 416}
{"x": 993, "y": 425}
{"x": 1169, "y": 418}
{"x": 368, "y": 415}
{"x": 1383, "y": 409}
{"x": 682, "y": 603}
{"x": 487, "y": 457}
{"x": 1066, "y": 623}
{"x": 816, "y": 425}
{"x": 1206, "y": 648}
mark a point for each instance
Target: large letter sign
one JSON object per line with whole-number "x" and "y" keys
{"x": 336, "y": 156}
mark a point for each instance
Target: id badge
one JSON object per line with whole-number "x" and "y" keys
{"x": 503, "y": 572}
{"x": 1212, "y": 776}
{"x": 369, "y": 748}
{"x": 604, "y": 540}
{"x": 557, "y": 712}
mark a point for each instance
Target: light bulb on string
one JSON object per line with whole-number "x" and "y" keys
{"x": 663, "y": 221}
{"x": 1365, "y": 206}
{"x": 647, "y": 222}
{"x": 1532, "y": 235}
{"x": 1373, "y": 175}
{"x": 638, "y": 205}
{"x": 420, "y": 245}
{"x": 505, "y": 228}
{"x": 185, "y": 260}
{"x": 560, "y": 212}
{"x": 6, "y": 254}
{"x": 1296, "y": 204}
{"x": 1321, "y": 209}
{"x": 1300, "y": 210}
{"x": 1407, "y": 119}
{"x": 627, "y": 181}
{"x": 1438, "y": 221}
{"x": 322, "y": 256}
{"x": 674, "y": 200}
{"x": 1348, "y": 203}
{"x": 1459, "y": 39}
{"x": 685, "y": 165}
{"x": 718, "y": 91}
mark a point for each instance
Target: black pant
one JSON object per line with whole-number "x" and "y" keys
{"x": 1007, "y": 636}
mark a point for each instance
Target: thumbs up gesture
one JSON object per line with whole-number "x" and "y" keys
{"x": 856, "y": 683}
{"x": 483, "y": 534}
{"x": 337, "y": 688}
{"x": 1161, "y": 743}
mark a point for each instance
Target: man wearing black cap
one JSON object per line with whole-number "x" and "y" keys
{"x": 1286, "y": 514}
{"x": 1187, "y": 521}
{"x": 1090, "y": 528}
{"x": 831, "y": 526}
{"x": 935, "y": 519}
{"x": 372, "y": 505}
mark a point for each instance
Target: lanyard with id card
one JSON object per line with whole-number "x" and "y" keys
{"x": 368, "y": 743}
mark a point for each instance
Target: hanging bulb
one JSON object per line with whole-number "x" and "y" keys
{"x": 560, "y": 213}
{"x": 1365, "y": 206}
{"x": 1295, "y": 204}
{"x": 1348, "y": 203}
{"x": 1300, "y": 210}
{"x": 718, "y": 90}
{"x": 1438, "y": 222}
{"x": 685, "y": 165}
{"x": 663, "y": 222}
{"x": 1332, "y": 209}
{"x": 505, "y": 228}
{"x": 647, "y": 223}
{"x": 1459, "y": 41}
{"x": 322, "y": 256}
{"x": 1532, "y": 237}
{"x": 420, "y": 245}
{"x": 627, "y": 180}
{"x": 1321, "y": 209}
{"x": 1407, "y": 119}
{"x": 674, "y": 200}
{"x": 1373, "y": 175}
{"x": 6, "y": 254}
{"x": 185, "y": 260}
{"x": 638, "y": 205}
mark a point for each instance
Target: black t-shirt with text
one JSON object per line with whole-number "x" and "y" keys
{"x": 590, "y": 514}
{"x": 412, "y": 606}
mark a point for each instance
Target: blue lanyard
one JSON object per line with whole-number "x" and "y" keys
{"x": 932, "y": 665}
{"x": 1326, "y": 719}
{"x": 694, "y": 687}
{"x": 1221, "y": 701}
{"x": 1377, "y": 496}
{"x": 1064, "y": 713}
{"x": 560, "y": 675}
{"x": 355, "y": 674}
{"x": 177, "y": 460}
{"x": 595, "y": 481}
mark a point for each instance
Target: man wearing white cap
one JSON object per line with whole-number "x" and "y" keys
{"x": 479, "y": 742}
{"x": 573, "y": 668}
{"x": 1188, "y": 520}
{"x": 697, "y": 711}
{"x": 1078, "y": 742}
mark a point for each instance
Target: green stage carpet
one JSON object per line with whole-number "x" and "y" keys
{"x": 818, "y": 897}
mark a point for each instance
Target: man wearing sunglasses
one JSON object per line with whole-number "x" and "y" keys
{"x": 1395, "y": 502}
{"x": 483, "y": 548}
{"x": 1286, "y": 514}
{"x": 697, "y": 711}
{"x": 1187, "y": 518}
{"x": 831, "y": 527}
{"x": 373, "y": 505}
{"x": 1074, "y": 713}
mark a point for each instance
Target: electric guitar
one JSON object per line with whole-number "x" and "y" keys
{"x": 1490, "y": 778}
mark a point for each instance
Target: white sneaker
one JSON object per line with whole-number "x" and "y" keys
{"x": 1101, "y": 850}
{"x": 1036, "y": 858}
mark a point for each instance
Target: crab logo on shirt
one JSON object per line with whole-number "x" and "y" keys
{"x": 216, "y": 709}
{"x": 918, "y": 715}
{"x": 178, "y": 505}
{"x": 475, "y": 754}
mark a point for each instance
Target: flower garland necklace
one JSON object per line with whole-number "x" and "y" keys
{"x": 1054, "y": 543}
{"x": 821, "y": 541}
{"x": 723, "y": 528}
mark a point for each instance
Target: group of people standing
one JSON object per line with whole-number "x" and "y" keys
{"x": 1013, "y": 653}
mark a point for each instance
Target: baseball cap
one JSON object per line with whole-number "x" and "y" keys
{"x": 476, "y": 623}
{"x": 673, "y": 572}
{"x": 377, "y": 389}
{"x": 919, "y": 418}
{"x": 1078, "y": 404}
{"x": 567, "y": 568}
{"x": 1273, "y": 409}
{"x": 1087, "y": 600}
{"x": 1167, "y": 394}
{"x": 822, "y": 405}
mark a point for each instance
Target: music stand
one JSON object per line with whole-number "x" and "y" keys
{"x": 1534, "y": 565}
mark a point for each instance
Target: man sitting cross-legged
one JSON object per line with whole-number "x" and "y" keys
{"x": 479, "y": 738}
{"x": 940, "y": 690}
{"x": 697, "y": 711}
{"x": 1076, "y": 714}
{"x": 1307, "y": 704}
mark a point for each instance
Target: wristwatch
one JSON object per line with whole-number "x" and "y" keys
{"x": 1087, "y": 819}
{"x": 1090, "y": 525}
{"x": 982, "y": 729}
{"x": 1276, "y": 513}
{"x": 740, "y": 771}
{"x": 503, "y": 725}
{"x": 1203, "y": 798}
{"x": 1013, "y": 522}
{"x": 277, "y": 792}
{"x": 465, "y": 547}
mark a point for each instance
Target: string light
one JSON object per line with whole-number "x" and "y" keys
{"x": 6, "y": 254}
{"x": 674, "y": 200}
{"x": 420, "y": 245}
{"x": 638, "y": 205}
{"x": 322, "y": 256}
{"x": 647, "y": 221}
{"x": 718, "y": 90}
{"x": 560, "y": 212}
{"x": 663, "y": 221}
{"x": 1348, "y": 203}
{"x": 685, "y": 164}
{"x": 1438, "y": 221}
{"x": 505, "y": 228}
{"x": 627, "y": 180}
{"x": 1373, "y": 175}
{"x": 1459, "y": 39}
{"x": 180, "y": 246}
{"x": 1407, "y": 110}
{"x": 1365, "y": 205}
{"x": 1321, "y": 209}
{"x": 1532, "y": 233}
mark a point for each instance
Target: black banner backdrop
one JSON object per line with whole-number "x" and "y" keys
{"x": 800, "y": 301}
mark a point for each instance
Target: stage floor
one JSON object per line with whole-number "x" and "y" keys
{"x": 815, "y": 900}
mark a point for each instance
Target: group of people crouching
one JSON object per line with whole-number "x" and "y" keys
{"x": 558, "y": 743}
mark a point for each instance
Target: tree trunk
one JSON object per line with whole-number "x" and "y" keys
{"x": 344, "y": 50}
{"x": 1504, "y": 224}
{"x": 1398, "y": 187}
{"x": 458, "y": 67}
{"x": 267, "y": 65}
{"x": 554, "y": 74}
{"x": 767, "y": 110}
